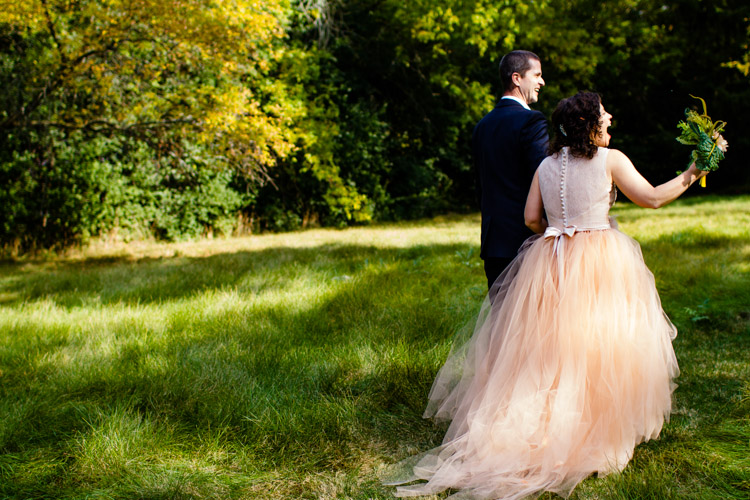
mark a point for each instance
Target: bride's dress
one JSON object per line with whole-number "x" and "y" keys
{"x": 568, "y": 369}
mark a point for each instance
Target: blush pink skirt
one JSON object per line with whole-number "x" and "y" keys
{"x": 568, "y": 369}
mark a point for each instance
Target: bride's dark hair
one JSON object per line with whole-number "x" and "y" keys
{"x": 575, "y": 123}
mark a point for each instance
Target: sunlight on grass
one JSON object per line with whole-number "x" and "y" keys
{"x": 294, "y": 365}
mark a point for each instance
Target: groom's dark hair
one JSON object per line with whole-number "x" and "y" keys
{"x": 517, "y": 61}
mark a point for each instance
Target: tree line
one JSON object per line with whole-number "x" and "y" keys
{"x": 177, "y": 118}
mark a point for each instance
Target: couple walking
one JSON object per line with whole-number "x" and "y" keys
{"x": 570, "y": 364}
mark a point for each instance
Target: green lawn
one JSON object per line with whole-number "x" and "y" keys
{"x": 295, "y": 365}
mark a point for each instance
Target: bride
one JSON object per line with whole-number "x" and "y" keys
{"x": 570, "y": 365}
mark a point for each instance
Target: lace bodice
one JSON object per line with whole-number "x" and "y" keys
{"x": 577, "y": 193}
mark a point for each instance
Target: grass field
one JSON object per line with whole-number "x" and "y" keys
{"x": 295, "y": 365}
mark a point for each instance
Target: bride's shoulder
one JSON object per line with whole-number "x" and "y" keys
{"x": 617, "y": 161}
{"x": 551, "y": 159}
{"x": 554, "y": 155}
{"x": 613, "y": 155}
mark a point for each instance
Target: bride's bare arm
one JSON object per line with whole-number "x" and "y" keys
{"x": 533, "y": 214}
{"x": 639, "y": 190}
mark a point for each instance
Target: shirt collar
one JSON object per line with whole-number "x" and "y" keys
{"x": 519, "y": 101}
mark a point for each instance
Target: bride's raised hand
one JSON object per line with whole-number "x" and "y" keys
{"x": 639, "y": 190}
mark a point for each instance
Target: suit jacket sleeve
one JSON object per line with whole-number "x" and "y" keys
{"x": 475, "y": 157}
{"x": 536, "y": 140}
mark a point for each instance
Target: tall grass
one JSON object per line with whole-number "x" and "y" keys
{"x": 294, "y": 365}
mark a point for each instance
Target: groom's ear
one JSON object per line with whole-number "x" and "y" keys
{"x": 516, "y": 79}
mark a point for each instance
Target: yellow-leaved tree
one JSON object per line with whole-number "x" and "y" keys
{"x": 199, "y": 68}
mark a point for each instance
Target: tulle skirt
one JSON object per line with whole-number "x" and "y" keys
{"x": 568, "y": 368}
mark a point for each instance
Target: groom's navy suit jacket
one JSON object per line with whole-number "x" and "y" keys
{"x": 508, "y": 145}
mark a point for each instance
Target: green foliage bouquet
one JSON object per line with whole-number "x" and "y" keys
{"x": 701, "y": 132}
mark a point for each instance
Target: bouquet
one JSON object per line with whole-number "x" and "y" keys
{"x": 699, "y": 131}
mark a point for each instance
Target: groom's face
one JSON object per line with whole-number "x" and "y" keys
{"x": 530, "y": 82}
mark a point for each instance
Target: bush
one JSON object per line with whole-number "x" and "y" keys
{"x": 71, "y": 187}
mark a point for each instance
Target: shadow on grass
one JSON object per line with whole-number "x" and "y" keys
{"x": 157, "y": 280}
{"x": 701, "y": 275}
{"x": 697, "y": 240}
{"x": 298, "y": 384}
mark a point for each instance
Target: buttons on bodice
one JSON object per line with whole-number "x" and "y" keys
{"x": 563, "y": 168}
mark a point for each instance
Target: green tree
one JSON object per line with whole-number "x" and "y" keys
{"x": 401, "y": 82}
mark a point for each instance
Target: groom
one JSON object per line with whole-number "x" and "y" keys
{"x": 508, "y": 145}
